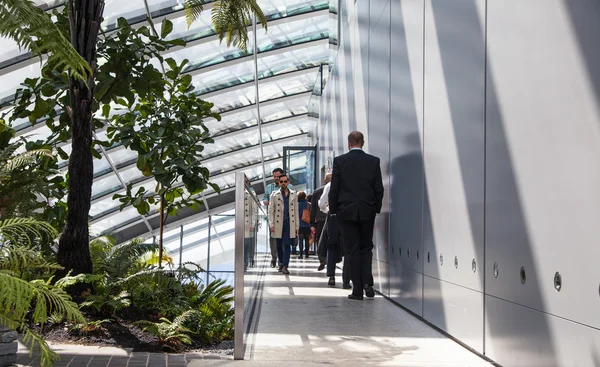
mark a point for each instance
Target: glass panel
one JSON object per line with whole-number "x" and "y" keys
{"x": 224, "y": 77}
{"x": 12, "y": 81}
{"x": 222, "y": 243}
{"x": 121, "y": 156}
{"x": 130, "y": 174}
{"x": 116, "y": 219}
{"x": 291, "y": 7}
{"x": 48, "y": 4}
{"x": 251, "y": 137}
{"x": 106, "y": 185}
{"x": 135, "y": 10}
{"x": 101, "y": 166}
{"x": 232, "y": 122}
{"x": 234, "y": 99}
{"x": 9, "y": 49}
{"x": 293, "y": 31}
{"x": 284, "y": 87}
{"x": 202, "y": 27}
{"x": 300, "y": 165}
{"x": 228, "y": 277}
{"x": 285, "y": 62}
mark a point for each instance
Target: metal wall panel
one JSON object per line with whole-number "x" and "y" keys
{"x": 379, "y": 132}
{"x": 454, "y": 309}
{"x": 520, "y": 338}
{"x": 454, "y": 139}
{"x": 406, "y": 288}
{"x": 543, "y": 177}
{"x": 381, "y": 277}
{"x": 406, "y": 155}
{"x": 379, "y": 122}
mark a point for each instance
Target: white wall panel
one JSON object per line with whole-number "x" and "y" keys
{"x": 520, "y": 338}
{"x": 454, "y": 309}
{"x": 543, "y": 202}
{"x": 379, "y": 121}
{"x": 406, "y": 288}
{"x": 454, "y": 138}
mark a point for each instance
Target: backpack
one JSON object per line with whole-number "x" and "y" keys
{"x": 306, "y": 214}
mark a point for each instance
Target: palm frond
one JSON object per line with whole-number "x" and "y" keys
{"x": 122, "y": 260}
{"x": 193, "y": 9}
{"x": 218, "y": 290}
{"x": 31, "y": 28}
{"x": 24, "y": 159}
{"x": 25, "y": 230}
{"x": 15, "y": 258}
{"x": 231, "y": 19}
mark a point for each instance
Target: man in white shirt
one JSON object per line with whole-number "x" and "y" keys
{"x": 332, "y": 249}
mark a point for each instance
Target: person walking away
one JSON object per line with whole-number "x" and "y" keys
{"x": 283, "y": 220}
{"x": 355, "y": 198}
{"x": 269, "y": 190}
{"x": 317, "y": 218}
{"x": 304, "y": 231}
{"x": 334, "y": 243}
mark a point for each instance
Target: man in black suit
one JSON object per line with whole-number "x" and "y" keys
{"x": 355, "y": 198}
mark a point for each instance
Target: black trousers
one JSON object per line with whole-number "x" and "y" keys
{"x": 318, "y": 232}
{"x": 358, "y": 249}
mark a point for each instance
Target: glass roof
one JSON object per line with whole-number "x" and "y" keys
{"x": 289, "y": 57}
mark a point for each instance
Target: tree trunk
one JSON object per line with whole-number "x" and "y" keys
{"x": 73, "y": 250}
{"x": 161, "y": 226}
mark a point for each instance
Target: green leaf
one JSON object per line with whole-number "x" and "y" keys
{"x": 144, "y": 31}
{"x": 63, "y": 155}
{"x": 143, "y": 208}
{"x": 172, "y": 63}
{"x": 106, "y": 110}
{"x": 177, "y": 42}
{"x": 122, "y": 23}
{"x": 186, "y": 79}
{"x": 166, "y": 28}
{"x": 96, "y": 154}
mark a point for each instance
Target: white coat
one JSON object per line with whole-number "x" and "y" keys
{"x": 276, "y": 213}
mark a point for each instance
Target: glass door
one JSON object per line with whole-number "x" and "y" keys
{"x": 300, "y": 164}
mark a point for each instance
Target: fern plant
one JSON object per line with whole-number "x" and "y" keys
{"x": 27, "y": 174}
{"x": 212, "y": 318}
{"x": 20, "y": 296}
{"x": 31, "y": 28}
{"x": 170, "y": 335}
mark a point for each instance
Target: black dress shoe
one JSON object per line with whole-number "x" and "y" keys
{"x": 346, "y": 286}
{"x": 273, "y": 263}
{"x": 321, "y": 266}
{"x": 369, "y": 291}
{"x": 358, "y": 298}
{"x": 331, "y": 281}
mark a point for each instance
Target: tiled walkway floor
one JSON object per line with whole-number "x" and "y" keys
{"x": 88, "y": 356}
{"x": 305, "y": 322}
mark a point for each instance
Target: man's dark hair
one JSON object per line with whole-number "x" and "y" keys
{"x": 283, "y": 174}
{"x": 278, "y": 170}
{"x": 356, "y": 139}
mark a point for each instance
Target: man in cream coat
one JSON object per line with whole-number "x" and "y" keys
{"x": 283, "y": 220}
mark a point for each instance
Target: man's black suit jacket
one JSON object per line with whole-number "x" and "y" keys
{"x": 356, "y": 191}
{"x": 316, "y": 215}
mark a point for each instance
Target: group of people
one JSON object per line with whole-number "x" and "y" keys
{"x": 342, "y": 216}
